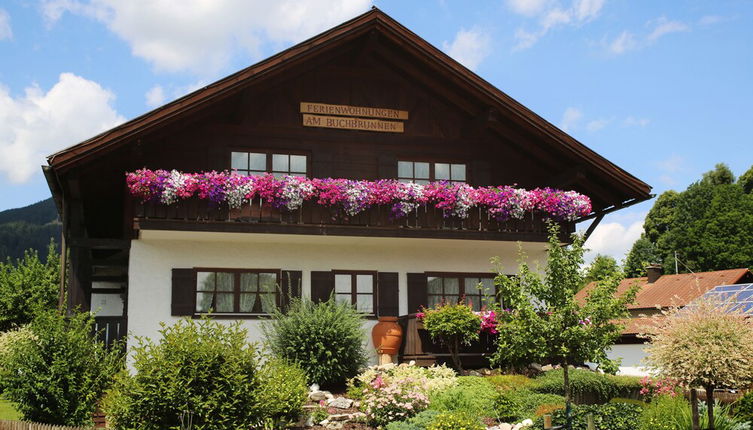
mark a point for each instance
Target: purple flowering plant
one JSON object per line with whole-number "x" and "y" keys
{"x": 355, "y": 196}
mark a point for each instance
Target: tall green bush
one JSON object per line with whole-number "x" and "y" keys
{"x": 282, "y": 392}
{"x": 28, "y": 287}
{"x": 200, "y": 370}
{"x": 326, "y": 339}
{"x": 453, "y": 324}
{"x": 58, "y": 374}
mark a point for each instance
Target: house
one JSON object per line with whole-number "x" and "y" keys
{"x": 366, "y": 100}
{"x": 658, "y": 293}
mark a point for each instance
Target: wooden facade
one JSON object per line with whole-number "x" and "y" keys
{"x": 371, "y": 61}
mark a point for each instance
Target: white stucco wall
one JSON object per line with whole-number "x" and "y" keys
{"x": 156, "y": 253}
{"x": 632, "y": 356}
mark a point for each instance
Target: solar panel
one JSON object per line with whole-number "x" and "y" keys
{"x": 738, "y": 297}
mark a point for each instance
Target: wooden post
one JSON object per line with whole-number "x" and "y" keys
{"x": 590, "y": 422}
{"x": 547, "y": 422}
{"x": 694, "y": 409}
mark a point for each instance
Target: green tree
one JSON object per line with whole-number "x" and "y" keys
{"x": 603, "y": 267}
{"x": 641, "y": 254}
{"x": 721, "y": 175}
{"x": 746, "y": 181}
{"x": 27, "y": 288}
{"x": 58, "y": 373}
{"x": 709, "y": 225}
{"x": 452, "y": 324}
{"x": 547, "y": 323}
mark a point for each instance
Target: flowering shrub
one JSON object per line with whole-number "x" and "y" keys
{"x": 396, "y": 401}
{"x": 355, "y": 196}
{"x": 652, "y": 387}
{"x": 425, "y": 379}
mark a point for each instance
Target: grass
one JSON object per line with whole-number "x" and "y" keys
{"x": 7, "y": 411}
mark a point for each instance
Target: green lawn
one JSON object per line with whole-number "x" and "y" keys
{"x": 7, "y": 411}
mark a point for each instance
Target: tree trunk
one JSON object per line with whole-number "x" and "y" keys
{"x": 695, "y": 419}
{"x": 454, "y": 346}
{"x": 566, "y": 383}
{"x": 710, "y": 405}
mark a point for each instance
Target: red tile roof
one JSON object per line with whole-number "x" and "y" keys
{"x": 675, "y": 290}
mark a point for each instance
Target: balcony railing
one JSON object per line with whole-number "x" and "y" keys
{"x": 425, "y": 219}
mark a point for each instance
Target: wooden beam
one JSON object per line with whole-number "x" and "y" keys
{"x": 90, "y": 243}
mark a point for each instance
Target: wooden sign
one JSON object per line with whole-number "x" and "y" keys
{"x": 359, "y": 111}
{"x": 352, "y": 123}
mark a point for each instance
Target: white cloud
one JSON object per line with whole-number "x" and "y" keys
{"x": 5, "y": 30}
{"x": 551, "y": 14}
{"x": 627, "y": 41}
{"x": 38, "y": 123}
{"x": 711, "y": 19}
{"x": 623, "y": 43}
{"x": 597, "y": 124}
{"x": 669, "y": 167}
{"x": 470, "y": 47}
{"x": 632, "y": 121}
{"x": 615, "y": 238}
{"x": 570, "y": 119}
{"x": 155, "y": 96}
{"x": 663, "y": 26}
{"x": 202, "y": 35}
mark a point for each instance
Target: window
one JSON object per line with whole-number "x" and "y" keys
{"x": 448, "y": 287}
{"x": 356, "y": 288}
{"x": 237, "y": 291}
{"x": 422, "y": 172}
{"x": 279, "y": 164}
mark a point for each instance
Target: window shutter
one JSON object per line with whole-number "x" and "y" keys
{"x": 387, "y": 295}
{"x": 183, "y": 294}
{"x": 481, "y": 173}
{"x": 290, "y": 284}
{"x": 322, "y": 286}
{"x": 417, "y": 290}
{"x": 387, "y": 167}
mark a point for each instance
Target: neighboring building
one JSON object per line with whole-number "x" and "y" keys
{"x": 396, "y": 108}
{"x": 658, "y": 293}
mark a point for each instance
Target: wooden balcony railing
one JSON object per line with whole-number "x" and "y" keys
{"x": 421, "y": 222}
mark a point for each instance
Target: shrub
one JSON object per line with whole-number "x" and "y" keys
{"x": 587, "y": 385}
{"x": 510, "y": 382}
{"x": 453, "y": 324}
{"x": 640, "y": 403}
{"x": 473, "y": 395}
{"x": 743, "y": 408}
{"x": 419, "y": 422}
{"x": 282, "y": 392}
{"x": 455, "y": 421}
{"x": 548, "y": 409}
{"x": 423, "y": 379}
{"x": 28, "y": 288}
{"x": 57, "y": 374}
{"x": 674, "y": 413}
{"x": 326, "y": 339}
{"x": 610, "y": 416}
{"x": 7, "y": 341}
{"x": 199, "y": 369}
{"x": 528, "y": 402}
{"x": 652, "y": 387}
{"x": 397, "y": 401}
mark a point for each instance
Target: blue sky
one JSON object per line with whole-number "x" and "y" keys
{"x": 663, "y": 89}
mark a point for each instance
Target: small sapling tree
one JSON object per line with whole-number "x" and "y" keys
{"x": 546, "y": 323}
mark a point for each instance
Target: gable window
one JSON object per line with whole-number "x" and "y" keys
{"x": 423, "y": 172}
{"x": 237, "y": 291}
{"x": 449, "y": 287}
{"x": 278, "y": 163}
{"x": 356, "y": 288}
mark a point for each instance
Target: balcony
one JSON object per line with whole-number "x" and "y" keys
{"x": 311, "y": 218}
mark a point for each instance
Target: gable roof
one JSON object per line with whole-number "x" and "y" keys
{"x": 673, "y": 290}
{"x": 377, "y": 21}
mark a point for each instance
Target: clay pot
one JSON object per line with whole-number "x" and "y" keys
{"x": 387, "y": 336}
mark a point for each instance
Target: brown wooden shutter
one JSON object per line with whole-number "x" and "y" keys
{"x": 387, "y": 167}
{"x": 322, "y": 286}
{"x": 387, "y": 295}
{"x": 480, "y": 173}
{"x": 183, "y": 300}
{"x": 290, "y": 284}
{"x": 417, "y": 287}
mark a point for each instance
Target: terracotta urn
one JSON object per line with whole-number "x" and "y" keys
{"x": 387, "y": 336}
